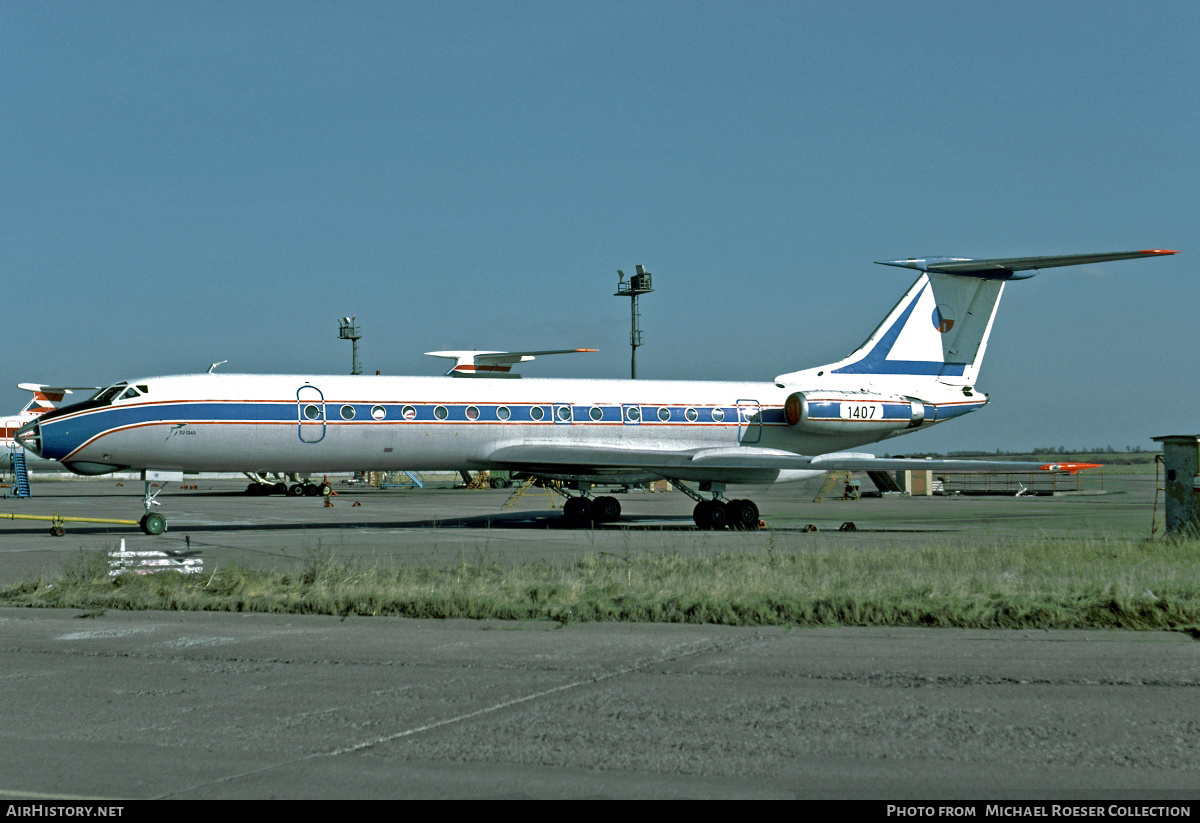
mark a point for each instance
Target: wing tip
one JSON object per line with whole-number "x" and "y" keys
{"x": 1069, "y": 467}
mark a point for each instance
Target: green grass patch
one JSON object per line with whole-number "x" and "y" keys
{"x": 819, "y": 581}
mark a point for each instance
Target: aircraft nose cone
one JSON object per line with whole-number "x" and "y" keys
{"x": 30, "y": 436}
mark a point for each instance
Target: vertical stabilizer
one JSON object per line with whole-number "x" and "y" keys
{"x": 938, "y": 330}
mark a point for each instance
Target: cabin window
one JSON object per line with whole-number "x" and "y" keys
{"x": 634, "y": 414}
{"x": 440, "y": 412}
{"x": 408, "y": 413}
{"x": 378, "y": 412}
{"x": 564, "y": 413}
{"x": 536, "y": 413}
{"x": 312, "y": 412}
{"x": 347, "y": 412}
{"x": 690, "y": 415}
{"x": 664, "y": 414}
{"x": 472, "y": 413}
{"x": 596, "y": 413}
{"x": 718, "y": 415}
{"x": 503, "y": 413}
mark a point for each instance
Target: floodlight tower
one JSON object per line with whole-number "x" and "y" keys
{"x": 638, "y": 284}
{"x": 348, "y": 330}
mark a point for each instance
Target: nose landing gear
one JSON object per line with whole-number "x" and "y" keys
{"x": 153, "y": 522}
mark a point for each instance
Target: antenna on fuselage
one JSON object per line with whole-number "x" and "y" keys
{"x": 213, "y": 367}
{"x": 638, "y": 284}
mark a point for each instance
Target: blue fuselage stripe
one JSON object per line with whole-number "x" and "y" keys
{"x": 68, "y": 432}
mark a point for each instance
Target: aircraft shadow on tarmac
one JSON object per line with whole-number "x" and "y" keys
{"x": 540, "y": 520}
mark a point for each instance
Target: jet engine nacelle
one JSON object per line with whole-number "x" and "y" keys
{"x": 843, "y": 412}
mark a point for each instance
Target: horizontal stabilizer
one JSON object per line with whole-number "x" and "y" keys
{"x": 49, "y": 397}
{"x": 1004, "y": 268}
{"x": 493, "y": 363}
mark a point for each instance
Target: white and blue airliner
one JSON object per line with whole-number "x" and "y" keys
{"x": 917, "y": 369}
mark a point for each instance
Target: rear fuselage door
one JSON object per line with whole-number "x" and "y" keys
{"x": 310, "y": 414}
{"x": 749, "y": 421}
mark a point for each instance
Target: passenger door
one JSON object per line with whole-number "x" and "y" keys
{"x": 310, "y": 414}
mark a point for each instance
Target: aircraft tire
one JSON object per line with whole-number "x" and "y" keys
{"x": 743, "y": 514}
{"x": 324, "y": 490}
{"x": 311, "y": 490}
{"x": 710, "y": 515}
{"x": 153, "y": 523}
{"x": 295, "y": 490}
{"x": 279, "y": 488}
{"x": 606, "y": 509}
{"x": 578, "y": 512}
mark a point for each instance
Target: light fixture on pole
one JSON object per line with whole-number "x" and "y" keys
{"x": 638, "y": 284}
{"x": 348, "y": 330}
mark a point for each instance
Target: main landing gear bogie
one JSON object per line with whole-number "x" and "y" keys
{"x": 714, "y": 514}
{"x": 581, "y": 512}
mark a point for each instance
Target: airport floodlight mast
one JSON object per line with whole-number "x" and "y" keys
{"x": 638, "y": 284}
{"x": 348, "y": 330}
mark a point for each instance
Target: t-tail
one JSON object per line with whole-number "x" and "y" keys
{"x": 939, "y": 330}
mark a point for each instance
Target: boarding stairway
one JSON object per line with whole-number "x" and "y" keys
{"x": 833, "y": 480}
{"x": 840, "y": 481}
{"x": 885, "y": 482}
{"x": 20, "y": 484}
{"x": 401, "y": 480}
{"x": 524, "y": 489}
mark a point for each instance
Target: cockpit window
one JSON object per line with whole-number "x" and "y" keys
{"x": 130, "y": 392}
{"x": 107, "y": 395}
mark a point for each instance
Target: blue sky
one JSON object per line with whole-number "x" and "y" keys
{"x": 200, "y": 181}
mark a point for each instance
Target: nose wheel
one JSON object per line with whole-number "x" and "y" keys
{"x": 153, "y": 523}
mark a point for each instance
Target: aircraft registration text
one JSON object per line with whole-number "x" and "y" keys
{"x": 861, "y": 411}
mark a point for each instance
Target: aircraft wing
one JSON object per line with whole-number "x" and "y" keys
{"x": 588, "y": 458}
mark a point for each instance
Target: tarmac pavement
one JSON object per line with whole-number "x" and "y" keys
{"x": 219, "y": 705}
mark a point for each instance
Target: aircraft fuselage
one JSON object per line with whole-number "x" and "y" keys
{"x": 296, "y": 423}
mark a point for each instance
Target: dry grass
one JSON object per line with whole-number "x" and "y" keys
{"x": 1044, "y": 583}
